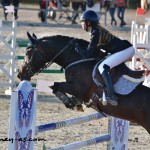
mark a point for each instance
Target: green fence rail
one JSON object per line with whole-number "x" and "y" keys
{"x": 22, "y": 43}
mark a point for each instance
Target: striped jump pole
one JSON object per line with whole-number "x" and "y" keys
{"x": 22, "y": 124}
{"x": 69, "y": 122}
{"x": 81, "y": 144}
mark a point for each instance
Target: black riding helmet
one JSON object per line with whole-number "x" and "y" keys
{"x": 90, "y": 16}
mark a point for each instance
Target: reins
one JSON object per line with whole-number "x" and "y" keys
{"x": 65, "y": 60}
{"x": 52, "y": 60}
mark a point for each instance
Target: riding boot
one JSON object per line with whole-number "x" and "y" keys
{"x": 109, "y": 91}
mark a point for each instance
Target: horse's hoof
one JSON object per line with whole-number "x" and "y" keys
{"x": 79, "y": 108}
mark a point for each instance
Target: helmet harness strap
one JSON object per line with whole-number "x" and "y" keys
{"x": 87, "y": 25}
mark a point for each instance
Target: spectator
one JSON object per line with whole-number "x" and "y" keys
{"x": 112, "y": 9}
{"x": 144, "y": 5}
{"x": 5, "y": 3}
{"x": 75, "y": 7}
{"x": 94, "y": 5}
{"x": 15, "y": 3}
{"x": 107, "y": 4}
{"x": 121, "y": 5}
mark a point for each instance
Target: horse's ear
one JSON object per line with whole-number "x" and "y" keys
{"x": 31, "y": 39}
{"x": 29, "y": 35}
{"x": 34, "y": 36}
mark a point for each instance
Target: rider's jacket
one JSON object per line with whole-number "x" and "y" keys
{"x": 102, "y": 39}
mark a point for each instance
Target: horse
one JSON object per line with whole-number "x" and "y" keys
{"x": 44, "y": 51}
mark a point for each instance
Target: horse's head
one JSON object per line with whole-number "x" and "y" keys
{"x": 33, "y": 60}
{"x": 43, "y": 52}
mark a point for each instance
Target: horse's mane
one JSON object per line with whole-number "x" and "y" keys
{"x": 57, "y": 37}
{"x": 62, "y": 38}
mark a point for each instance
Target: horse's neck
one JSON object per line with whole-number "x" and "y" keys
{"x": 67, "y": 62}
{"x": 68, "y": 57}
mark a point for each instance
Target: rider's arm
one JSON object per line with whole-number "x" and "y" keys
{"x": 93, "y": 43}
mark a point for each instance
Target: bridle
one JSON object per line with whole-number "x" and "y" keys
{"x": 32, "y": 70}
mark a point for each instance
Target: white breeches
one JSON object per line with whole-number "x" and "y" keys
{"x": 117, "y": 58}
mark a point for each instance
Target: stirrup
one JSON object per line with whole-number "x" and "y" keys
{"x": 111, "y": 98}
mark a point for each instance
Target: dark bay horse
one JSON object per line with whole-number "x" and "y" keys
{"x": 79, "y": 83}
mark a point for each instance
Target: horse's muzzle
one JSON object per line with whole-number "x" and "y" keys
{"x": 22, "y": 77}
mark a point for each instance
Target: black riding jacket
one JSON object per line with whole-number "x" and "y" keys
{"x": 102, "y": 39}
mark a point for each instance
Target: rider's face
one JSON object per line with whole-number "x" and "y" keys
{"x": 84, "y": 27}
{"x": 83, "y": 24}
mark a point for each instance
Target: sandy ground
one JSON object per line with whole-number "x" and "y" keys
{"x": 49, "y": 108}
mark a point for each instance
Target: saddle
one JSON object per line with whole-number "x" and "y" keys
{"x": 117, "y": 73}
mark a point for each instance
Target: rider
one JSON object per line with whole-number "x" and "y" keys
{"x": 101, "y": 38}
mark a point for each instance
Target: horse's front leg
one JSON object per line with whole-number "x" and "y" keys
{"x": 73, "y": 88}
{"x": 70, "y": 102}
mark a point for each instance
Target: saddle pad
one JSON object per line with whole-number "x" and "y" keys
{"x": 124, "y": 86}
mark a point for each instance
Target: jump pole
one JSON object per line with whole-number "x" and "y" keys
{"x": 81, "y": 144}
{"x": 69, "y": 122}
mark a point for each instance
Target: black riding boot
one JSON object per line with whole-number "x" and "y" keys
{"x": 109, "y": 91}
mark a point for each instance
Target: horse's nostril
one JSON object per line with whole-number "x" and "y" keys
{"x": 18, "y": 75}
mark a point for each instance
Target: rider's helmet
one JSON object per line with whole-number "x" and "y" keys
{"x": 90, "y": 16}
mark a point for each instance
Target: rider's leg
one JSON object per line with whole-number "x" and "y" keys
{"x": 109, "y": 90}
{"x": 108, "y": 64}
